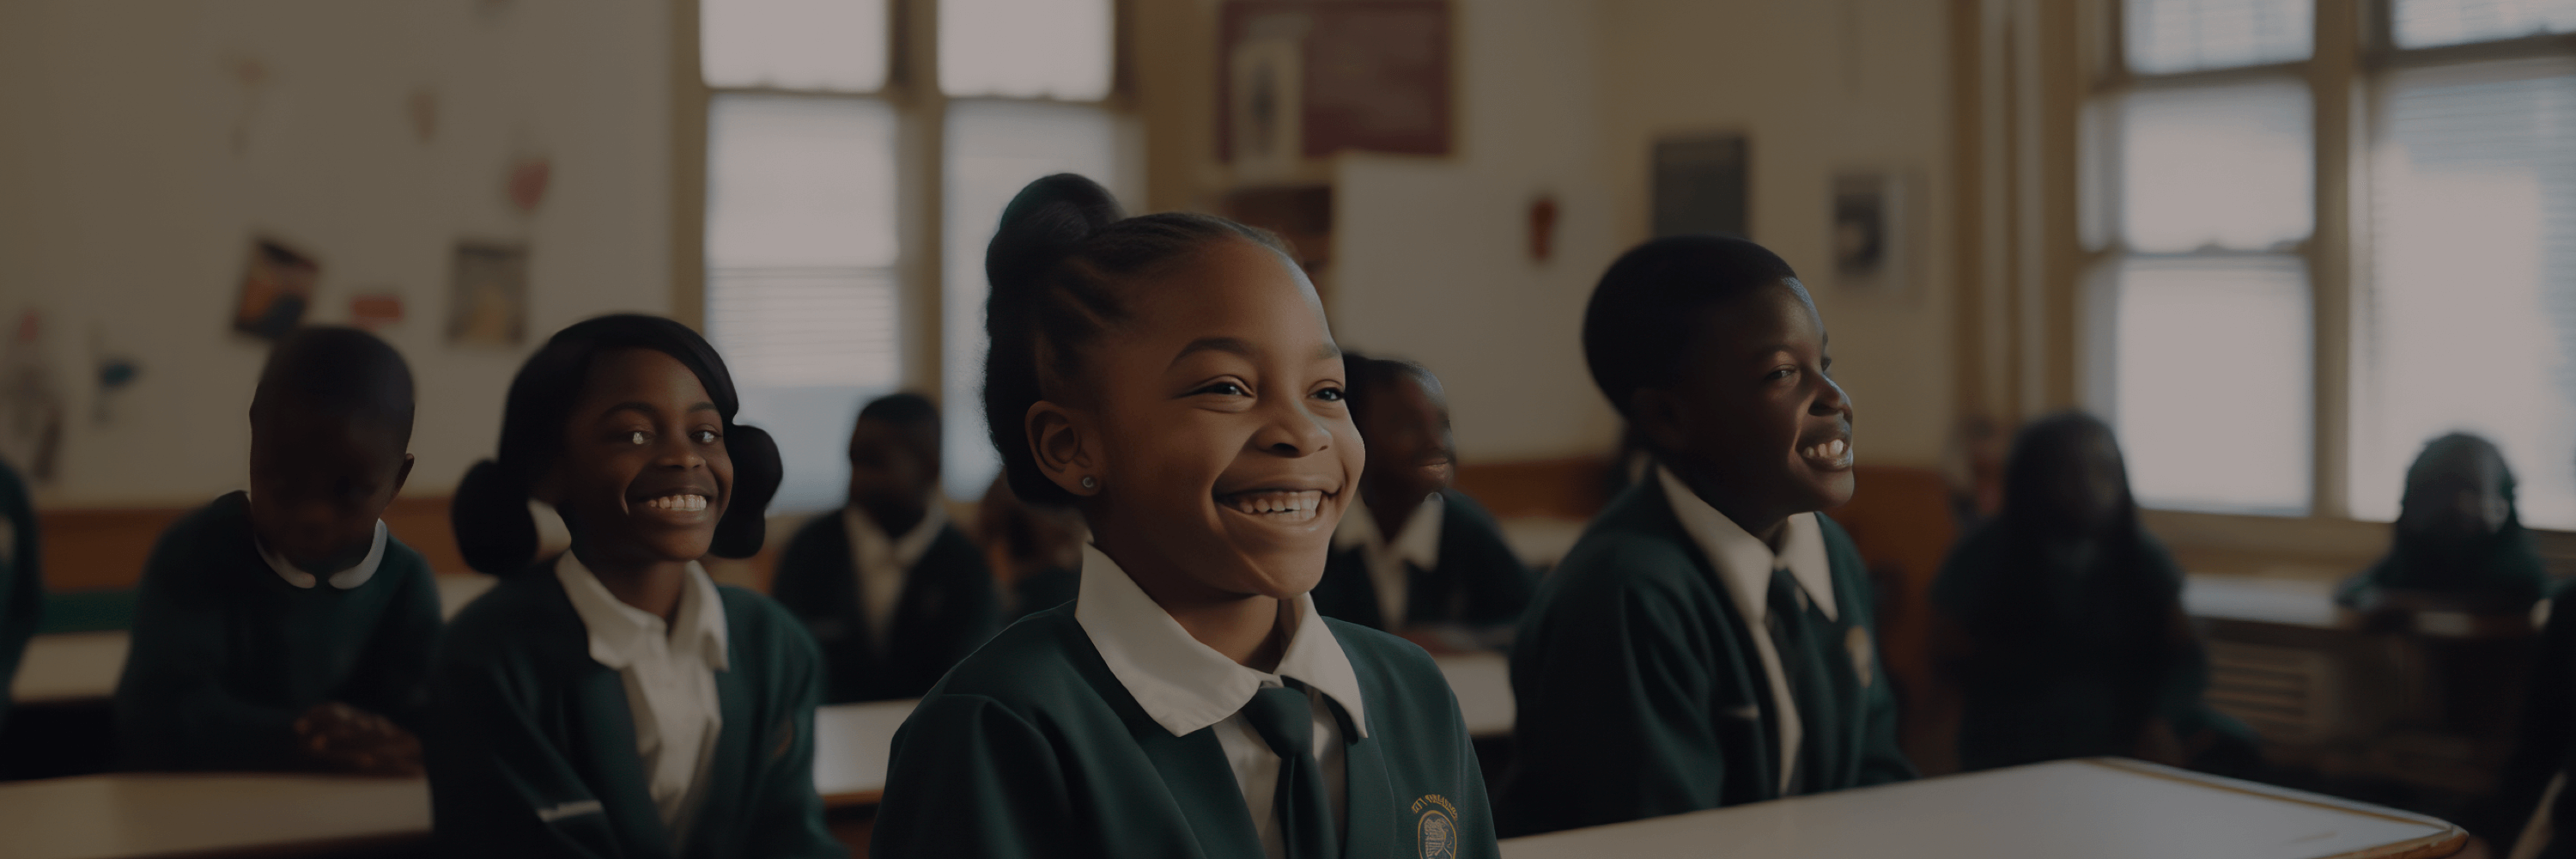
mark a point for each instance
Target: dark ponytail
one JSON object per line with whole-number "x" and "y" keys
{"x": 1056, "y": 264}
{"x": 494, "y": 528}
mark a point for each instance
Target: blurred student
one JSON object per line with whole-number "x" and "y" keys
{"x": 22, "y": 579}
{"x": 2064, "y": 625}
{"x": 613, "y": 700}
{"x": 2458, "y": 539}
{"x": 1414, "y": 556}
{"x": 1172, "y": 376}
{"x": 893, "y": 593}
{"x": 1035, "y": 549}
{"x": 284, "y": 628}
{"x": 1708, "y": 641}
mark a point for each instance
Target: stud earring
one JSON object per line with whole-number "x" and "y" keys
{"x": 1090, "y": 482}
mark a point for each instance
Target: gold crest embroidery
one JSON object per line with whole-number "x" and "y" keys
{"x": 1863, "y": 656}
{"x": 1436, "y": 826}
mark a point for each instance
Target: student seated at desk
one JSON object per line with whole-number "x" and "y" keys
{"x": 22, "y": 579}
{"x": 1035, "y": 549}
{"x": 1708, "y": 642}
{"x": 2063, "y": 621}
{"x": 614, "y": 700}
{"x": 893, "y": 593}
{"x": 2458, "y": 539}
{"x": 1173, "y": 376}
{"x": 1416, "y": 557}
{"x": 284, "y": 628}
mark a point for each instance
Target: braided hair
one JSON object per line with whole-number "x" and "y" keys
{"x": 1058, "y": 267}
{"x": 494, "y": 528}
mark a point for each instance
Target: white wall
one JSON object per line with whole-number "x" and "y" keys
{"x": 127, "y": 210}
{"x": 1431, "y": 256}
{"x": 1820, "y": 86}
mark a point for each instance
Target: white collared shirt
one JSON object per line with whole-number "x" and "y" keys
{"x": 344, "y": 580}
{"x": 670, "y": 679}
{"x": 881, "y": 563}
{"x": 1185, "y": 685}
{"x": 1744, "y": 564}
{"x": 1418, "y": 545}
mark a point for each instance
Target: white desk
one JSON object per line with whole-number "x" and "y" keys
{"x": 1483, "y": 683}
{"x": 2088, "y": 809}
{"x": 70, "y": 667}
{"x": 156, "y": 815}
{"x": 852, "y": 744}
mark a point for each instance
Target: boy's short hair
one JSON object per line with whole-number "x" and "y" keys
{"x": 1643, "y": 317}
{"x": 1366, "y": 375}
{"x": 340, "y": 372}
{"x": 906, "y": 409}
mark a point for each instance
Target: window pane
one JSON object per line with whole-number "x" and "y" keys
{"x": 1056, "y": 49}
{"x": 2212, "y": 393}
{"x": 837, "y": 45}
{"x": 2425, "y": 23}
{"x": 2217, "y": 167}
{"x": 2469, "y": 322}
{"x": 801, "y": 289}
{"x": 994, "y": 147}
{"x": 2166, "y": 36}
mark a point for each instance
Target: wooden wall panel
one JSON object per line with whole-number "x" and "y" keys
{"x": 90, "y": 550}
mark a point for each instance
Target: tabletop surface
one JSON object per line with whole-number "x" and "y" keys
{"x": 69, "y": 666}
{"x": 153, "y": 815}
{"x": 2083, "y": 809}
{"x": 851, "y": 745}
{"x": 1483, "y": 683}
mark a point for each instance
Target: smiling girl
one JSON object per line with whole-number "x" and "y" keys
{"x": 1171, "y": 375}
{"x": 612, "y": 700}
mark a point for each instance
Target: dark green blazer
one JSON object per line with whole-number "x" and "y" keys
{"x": 948, "y": 608}
{"x": 2547, "y": 747}
{"x": 226, "y": 655}
{"x": 22, "y": 580}
{"x": 531, "y": 747}
{"x": 1641, "y": 695}
{"x": 1031, "y": 748}
{"x": 1479, "y": 581}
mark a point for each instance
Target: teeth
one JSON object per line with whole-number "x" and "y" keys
{"x": 1831, "y": 450}
{"x": 1291, "y": 506}
{"x": 1837, "y": 448}
{"x": 679, "y": 503}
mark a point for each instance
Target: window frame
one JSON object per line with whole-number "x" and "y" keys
{"x": 2353, "y": 48}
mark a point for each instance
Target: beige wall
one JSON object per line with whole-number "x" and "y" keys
{"x": 126, "y": 209}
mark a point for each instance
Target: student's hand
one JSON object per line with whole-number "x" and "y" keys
{"x": 348, "y": 739}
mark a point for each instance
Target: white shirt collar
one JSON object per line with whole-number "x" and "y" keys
{"x": 1185, "y": 685}
{"x": 906, "y": 549}
{"x": 344, "y": 580}
{"x": 617, "y": 629}
{"x": 1418, "y": 544}
{"x": 1744, "y": 562}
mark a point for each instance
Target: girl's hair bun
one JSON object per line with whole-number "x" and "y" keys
{"x": 1045, "y": 222}
{"x": 489, "y": 515}
{"x": 757, "y": 471}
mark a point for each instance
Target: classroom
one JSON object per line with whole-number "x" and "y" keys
{"x": 1287, "y": 428}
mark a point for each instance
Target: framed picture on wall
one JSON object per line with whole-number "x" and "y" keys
{"x": 276, "y": 290}
{"x": 1702, "y": 186}
{"x": 487, "y": 302}
{"x": 1870, "y": 245}
{"x": 1349, "y": 75}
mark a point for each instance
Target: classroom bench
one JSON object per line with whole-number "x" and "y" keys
{"x": 2080, "y": 809}
{"x": 160, "y": 815}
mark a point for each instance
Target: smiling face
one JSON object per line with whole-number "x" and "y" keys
{"x": 319, "y": 482}
{"x": 643, "y": 476}
{"x": 1213, "y": 424}
{"x": 1752, "y": 420}
{"x": 1410, "y": 451}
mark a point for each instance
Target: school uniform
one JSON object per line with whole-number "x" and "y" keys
{"x": 232, "y": 643}
{"x": 1101, "y": 728}
{"x": 891, "y": 612}
{"x": 22, "y": 579}
{"x": 567, "y": 723}
{"x": 1044, "y": 589}
{"x": 2080, "y": 649}
{"x": 1447, "y": 566}
{"x": 1674, "y": 663}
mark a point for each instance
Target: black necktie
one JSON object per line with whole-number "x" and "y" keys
{"x": 1791, "y": 636}
{"x": 1285, "y": 721}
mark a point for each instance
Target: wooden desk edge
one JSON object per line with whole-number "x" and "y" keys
{"x": 853, "y": 799}
{"x": 313, "y": 847}
{"x": 2450, "y": 840}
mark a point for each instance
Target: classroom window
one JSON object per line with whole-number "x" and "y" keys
{"x": 2460, "y": 174}
{"x": 807, "y": 251}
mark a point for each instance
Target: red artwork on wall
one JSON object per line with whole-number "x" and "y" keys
{"x": 1370, "y": 75}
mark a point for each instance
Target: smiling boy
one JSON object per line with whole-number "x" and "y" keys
{"x": 1708, "y": 642}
